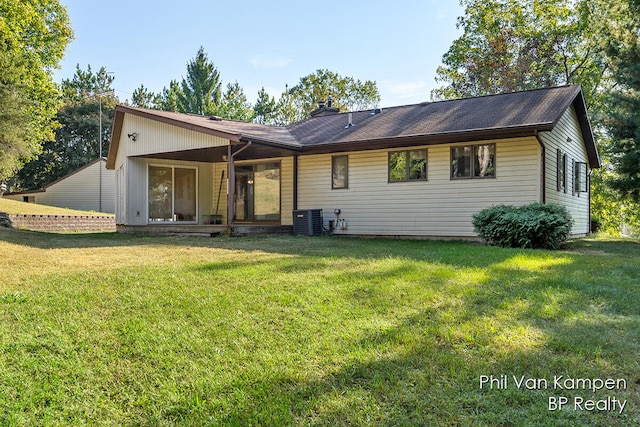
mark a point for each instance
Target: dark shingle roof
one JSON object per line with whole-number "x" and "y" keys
{"x": 506, "y": 115}
{"x": 518, "y": 110}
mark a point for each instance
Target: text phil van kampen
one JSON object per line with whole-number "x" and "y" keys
{"x": 563, "y": 383}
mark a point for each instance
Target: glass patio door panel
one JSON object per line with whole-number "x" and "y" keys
{"x": 185, "y": 194}
{"x": 267, "y": 192}
{"x": 160, "y": 194}
{"x": 172, "y": 194}
{"x": 257, "y": 192}
{"x": 244, "y": 193}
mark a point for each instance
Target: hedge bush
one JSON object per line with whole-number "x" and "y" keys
{"x": 538, "y": 225}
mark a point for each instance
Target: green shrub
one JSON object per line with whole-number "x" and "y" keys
{"x": 537, "y": 225}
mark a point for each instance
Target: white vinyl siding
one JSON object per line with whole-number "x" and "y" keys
{"x": 440, "y": 207}
{"x": 120, "y": 195}
{"x": 156, "y": 137}
{"x": 567, "y": 137}
{"x": 80, "y": 190}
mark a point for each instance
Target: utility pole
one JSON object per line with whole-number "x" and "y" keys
{"x": 100, "y": 95}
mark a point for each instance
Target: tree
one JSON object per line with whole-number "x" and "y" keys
{"x": 201, "y": 93}
{"x": 14, "y": 142}
{"x": 77, "y": 140}
{"x": 286, "y": 111}
{"x": 264, "y": 108}
{"x": 347, "y": 93}
{"x": 168, "y": 99}
{"x": 623, "y": 123}
{"x": 144, "y": 98}
{"x": 510, "y": 45}
{"x": 611, "y": 212}
{"x": 234, "y": 105}
{"x": 33, "y": 38}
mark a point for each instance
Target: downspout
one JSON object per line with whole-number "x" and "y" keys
{"x": 295, "y": 183}
{"x": 544, "y": 169}
{"x": 231, "y": 185}
{"x": 588, "y": 178}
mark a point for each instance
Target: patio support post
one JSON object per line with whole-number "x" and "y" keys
{"x": 231, "y": 186}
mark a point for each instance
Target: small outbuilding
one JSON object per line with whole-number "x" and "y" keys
{"x": 89, "y": 188}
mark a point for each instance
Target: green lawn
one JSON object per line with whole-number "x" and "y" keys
{"x": 121, "y": 330}
{"x": 22, "y": 208}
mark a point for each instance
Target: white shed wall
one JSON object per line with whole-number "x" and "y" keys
{"x": 79, "y": 190}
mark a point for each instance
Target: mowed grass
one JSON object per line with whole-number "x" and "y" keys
{"x": 22, "y": 208}
{"x": 122, "y": 330}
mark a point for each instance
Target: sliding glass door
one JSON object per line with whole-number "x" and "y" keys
{"x": 172, "y": 194}
{"x": 257, "y": 192}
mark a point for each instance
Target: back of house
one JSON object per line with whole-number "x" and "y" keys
{"x": 420, "y": 170}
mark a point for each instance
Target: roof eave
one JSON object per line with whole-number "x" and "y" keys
{"x": 430, "y": 139}
{"x": 587, "y": 132}
{"x": 116, "y": 131}
{"x": 271, "y": 143}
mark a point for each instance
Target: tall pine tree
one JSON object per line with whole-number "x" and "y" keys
{"x": 624, "y": 118}
{"x": 200, "y": 90}
{"x": 264, "y": 108}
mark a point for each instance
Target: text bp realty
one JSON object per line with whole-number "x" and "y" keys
{"x": 561, "y": 382}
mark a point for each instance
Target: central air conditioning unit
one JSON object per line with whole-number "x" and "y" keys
{"x": 307, "y": 222}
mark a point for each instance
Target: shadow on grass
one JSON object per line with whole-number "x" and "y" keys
{"x": 425, "y": 370}
{"x": 574, "y": 313}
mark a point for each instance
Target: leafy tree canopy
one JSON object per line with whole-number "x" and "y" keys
{"x": 265, "y": 107}
{"x": 348, "y": 93}
{"x": 77, "y": 140}
{"x": 144, "y": 98}
{"x": 200, "y": 93}
{"x": 33, "y": 38}
{"x": 511, "y": 45}
{"x": 234, "y": 105}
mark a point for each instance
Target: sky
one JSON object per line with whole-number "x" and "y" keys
{"x": 269, "y": 44}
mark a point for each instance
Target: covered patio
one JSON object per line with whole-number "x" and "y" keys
{"x": 220, "y": 181}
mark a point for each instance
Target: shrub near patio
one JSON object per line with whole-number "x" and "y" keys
{"x": 123, "y": 330}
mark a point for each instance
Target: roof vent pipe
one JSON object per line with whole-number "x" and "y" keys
{"x": 350, "y": 118}
{"x": 329, "y": 102}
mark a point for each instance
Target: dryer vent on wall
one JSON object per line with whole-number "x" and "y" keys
{"x": 307, "y": 222}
